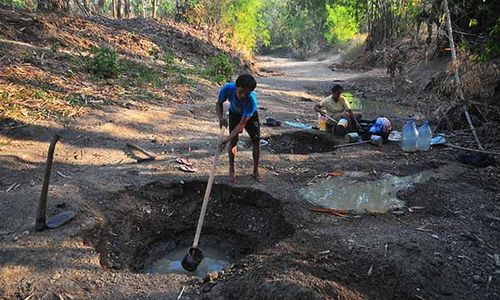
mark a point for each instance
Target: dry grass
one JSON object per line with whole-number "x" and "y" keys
{"x": 29, "y": 94}
{"x": 43, "y": 73}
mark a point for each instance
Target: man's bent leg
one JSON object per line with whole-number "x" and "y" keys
{"x": 253, "y": 129}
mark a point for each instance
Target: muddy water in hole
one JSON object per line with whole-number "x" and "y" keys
{"x": 215, "y": 260}
{"x": 352, "y": 192}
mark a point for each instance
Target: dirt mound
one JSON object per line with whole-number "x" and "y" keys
{"x": 295, "y": 284}
{"x": 134, "y": 37}
{"x": 45, "y": 69}
{"x": 301, "y": 142}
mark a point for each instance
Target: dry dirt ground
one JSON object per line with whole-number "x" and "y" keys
{"x": 444, "y": 250}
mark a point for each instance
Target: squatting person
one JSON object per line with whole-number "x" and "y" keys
{"x": 338, "y": 108}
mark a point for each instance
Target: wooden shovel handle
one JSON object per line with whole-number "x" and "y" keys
{"x": 42, "y": 206}
{"x": 211, "y": 177}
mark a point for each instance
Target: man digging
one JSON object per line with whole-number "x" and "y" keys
{"x": 338, "y": 108}
{"x": 242, "y": 114}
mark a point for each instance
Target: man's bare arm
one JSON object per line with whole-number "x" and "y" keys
{"x": 318, "y": 108}
{"x": 219, "y": 109}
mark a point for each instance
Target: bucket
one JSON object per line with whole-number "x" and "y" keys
{"x": 192, "y": 259}
{"x": 343, "y": 123}
{"x": 352, "y": 137}
{"x": 321, "y": 122}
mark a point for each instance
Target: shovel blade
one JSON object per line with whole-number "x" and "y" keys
{"x": 60, "y": 219}
{"x": 192, "y": 259}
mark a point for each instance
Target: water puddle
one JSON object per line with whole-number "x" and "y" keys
{"x": 215, "y": 260}
{"x": 354, "y": 192}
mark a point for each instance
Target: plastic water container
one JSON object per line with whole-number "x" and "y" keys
{"x": 376, "y": 140}
{"x": 409, "y": 137}
{"x": 424, "y": 137}
{"x": 322, "y": 122}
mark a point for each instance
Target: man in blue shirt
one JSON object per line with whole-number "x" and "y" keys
{"x": 242, "y": 114}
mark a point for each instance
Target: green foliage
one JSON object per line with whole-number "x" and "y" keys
{"x": 142, "y": 73}
{"x": 155, "y": 52}
{"x": 103, "y": 62}
{"x": 492, "y": 47}
{"x": 237, "y": 22}
{"x": 29, "y": 56}
{"x": 473, "y": 22}
{"x": 19, "y": 4}
{"x": 167, "y": 8}
{"x": 247, "y": 23}
{"x": 293, "y": 25}
{"x": 341, "y": 25}
{"x": 220, "y": 68}
{"x": 41, "y": 95}
{"x": 169, "y": 59}
{"x": 76, "y": 100}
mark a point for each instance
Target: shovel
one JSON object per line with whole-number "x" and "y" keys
{"x": 329, "y": 118}
{"x": 336, "y": 122}
{"x": 194, "y": 256}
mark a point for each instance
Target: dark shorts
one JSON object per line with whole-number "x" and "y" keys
{"x": 252, "y": 126}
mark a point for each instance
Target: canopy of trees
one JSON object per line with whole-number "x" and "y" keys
{"x": 303, "y": 26}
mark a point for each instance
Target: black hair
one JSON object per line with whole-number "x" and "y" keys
{"x": 246, "y": 81}
{"x": 337, "y": 88}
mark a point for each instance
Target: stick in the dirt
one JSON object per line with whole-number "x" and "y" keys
{"x": 150, "y": 156}
{"x": 470, "y": 149}
{"x": 351, "y": 144}
{"x": 467, "y": 116}
{"x": 42, "y": 207}
{"x": 182, "y": 292}
{"x": 457, "y": 76}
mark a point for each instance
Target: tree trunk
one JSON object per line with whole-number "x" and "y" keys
{"x": 100, "y": 5}
{"x": 143, "y": 9}
{"x": 86, "y": 6}
{"x": 177, "y": 11}
{"x": 113, "y": 10}
{"x": 127, "y": 8}
{"x": 119, "y": 9}
{"x": 51, "y": 6}
{"x": 153, "y": 13}
{"x": 457, "y": 75}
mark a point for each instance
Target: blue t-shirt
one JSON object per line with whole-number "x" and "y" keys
{"x": 245, "y": 107}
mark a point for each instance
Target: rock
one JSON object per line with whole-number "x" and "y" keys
{"x": 116, "y": 266}
{"x": 477, "y": 278}
{"x": 212, "y": 276}
{"x": 497, "y": 260}
{"x": 206, "y": 288}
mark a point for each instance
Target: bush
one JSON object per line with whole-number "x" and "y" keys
{"x": 341, "y": 24}
{"x": 492, "y": 49}
{"x": 220, "y": 68}
{"x": 103, "y": 62}
{"x": 142, "y": 73}
{"x": 169, "y": 59}
{"x": 154, "y": 52}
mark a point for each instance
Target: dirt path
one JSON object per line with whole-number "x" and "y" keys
{"x": 285, "y": 251}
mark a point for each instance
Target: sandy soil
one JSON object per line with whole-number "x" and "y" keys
{"x": 443, "y": 250}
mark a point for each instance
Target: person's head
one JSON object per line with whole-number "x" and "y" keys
{"x": 336, "y": 91}
{"x": 245, "y": 84}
